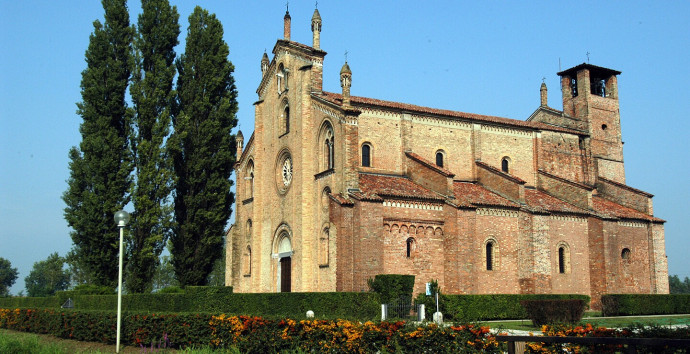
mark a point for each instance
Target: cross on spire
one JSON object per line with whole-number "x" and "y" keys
{"x": 287, "y": 6}
{"x": 346, "y": 56}
{"x": 542, "y": 79}
{"x": 588, "y": 57}
{"x": 316, "y": 5}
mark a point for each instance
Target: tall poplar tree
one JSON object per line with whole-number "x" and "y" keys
{"x": 203, "y": 149}
{"x": 152, "y": 97}
{"x": 100, "y": 168}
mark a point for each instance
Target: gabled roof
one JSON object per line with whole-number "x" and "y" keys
{"x": 389, "y": 105}
{"x": 469, "y": 195}
{"x": 372, "y": 185}
{"x": 599, "y": 71}
{"x": 609, "y": 209}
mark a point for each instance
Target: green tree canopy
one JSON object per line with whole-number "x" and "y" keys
{"x": 152, "y": 98}
{"x": 202, "y": 148}
{"x": 100, "y": 168}
{"x": 676, "y": 286}
{"x": 47, "y": 277}
{"x": 7, "y": 276}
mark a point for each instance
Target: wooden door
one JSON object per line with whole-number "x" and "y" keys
{"x": 285, "y": 273}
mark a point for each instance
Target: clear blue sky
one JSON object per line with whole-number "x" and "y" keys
{"x": 484, "y": 57}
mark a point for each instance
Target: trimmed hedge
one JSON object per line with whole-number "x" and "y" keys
{"x": 486, "y": 307}
{"x": 543, "y": 312}
{"x": 644, "y": 304}
{"x": 252, "y": 334}
{"x": 360, "y": 306}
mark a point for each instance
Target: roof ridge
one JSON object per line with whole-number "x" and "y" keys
{"x": 336, "y": 98}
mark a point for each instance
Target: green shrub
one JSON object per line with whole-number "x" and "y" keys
{"x": 89, "y": 289}
{"x": 543, "y": 312}
{"x": 171, "y": 290}
{"x": 252, "y": 334}
{"x": 360, "y": 306}
{"x": 485, "y": 307}
{"x": 391, "y": 287}
{"x": 644, "y": 304}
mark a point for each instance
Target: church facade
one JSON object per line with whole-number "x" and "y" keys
{"x": 333, "y": 189}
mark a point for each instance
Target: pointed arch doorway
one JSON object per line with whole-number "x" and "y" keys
{"x": 284, "y": 271}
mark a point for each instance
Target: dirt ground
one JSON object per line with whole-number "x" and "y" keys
{"x": 74, "y": 346}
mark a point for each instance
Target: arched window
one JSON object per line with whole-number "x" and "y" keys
{"x": 282, "y": 79}
{"x": 410, "y": 244}
{"x": 439, "y": 158}
{"x": 563, "y": 258}
{"x": 505, "y": 164}
{"x": 328, "y": 148}
{"x": 250, "y": 179}
{"x": 625, "y": 254}
{"x": 249, "y": 228}
{"x": 324, "y": 247}
{"x": 366, "y": 155}
{"x": 247, "y": 262}
{"x": 286, "y": 118}
{"x": 490, "y": 255}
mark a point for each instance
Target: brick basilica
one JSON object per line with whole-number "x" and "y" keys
{"x": 333, "y": 189}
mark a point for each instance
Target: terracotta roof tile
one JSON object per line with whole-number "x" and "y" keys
{"x": 540, "y": 201}
{"x": 472, "y": 195}
{"x": 393, "y": 186}
{"x": 428, "y": 163}
{"x": 610, "y": 209}
{"x": 340, "y": 199}
{"x": 356, "y": 100}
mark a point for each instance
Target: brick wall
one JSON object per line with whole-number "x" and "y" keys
{"x": 624, "y": 195}
{"x": 578, "y": 195}
{"x": 500, "y": 183}
{"x": 561, "y": 155}
{"x": 420, "y": 172}
{"x": 630, "y": 275}
{"x": 501, "y": 226}
{"x": 517, "y": 145}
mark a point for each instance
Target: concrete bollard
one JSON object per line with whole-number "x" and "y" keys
{"x": 384, "y": 312}
{"x": 438, "y": 318}
{"x": 421, "y": 313}
{"x": 310, "y": 314}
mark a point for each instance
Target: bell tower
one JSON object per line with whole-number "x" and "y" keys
{"x": 590, "y": 95}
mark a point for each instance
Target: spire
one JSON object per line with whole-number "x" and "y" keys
{"x": 345, "y": 82}
{"x": 239, "y": 139}
{"x": 264, "y": 64}
{"x": 543, "y": 92}
{"x": 316, "y": 28}
{"x": 286, "y": 24}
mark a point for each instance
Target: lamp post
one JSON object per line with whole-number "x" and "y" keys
{"x": 121, "y": 219}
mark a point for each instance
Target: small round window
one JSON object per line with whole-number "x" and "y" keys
{"x": 604, "y": 126}
{"x": 284, "y": 172}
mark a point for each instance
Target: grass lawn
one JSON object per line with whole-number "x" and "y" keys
{"x": 20, "y": 342}
{"x": 609, "y": 322}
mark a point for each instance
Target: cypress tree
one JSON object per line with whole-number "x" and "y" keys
{"x": 203, "y": 149}
{"x": 100, "y": 168}
{"x": 152, "y": 97}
